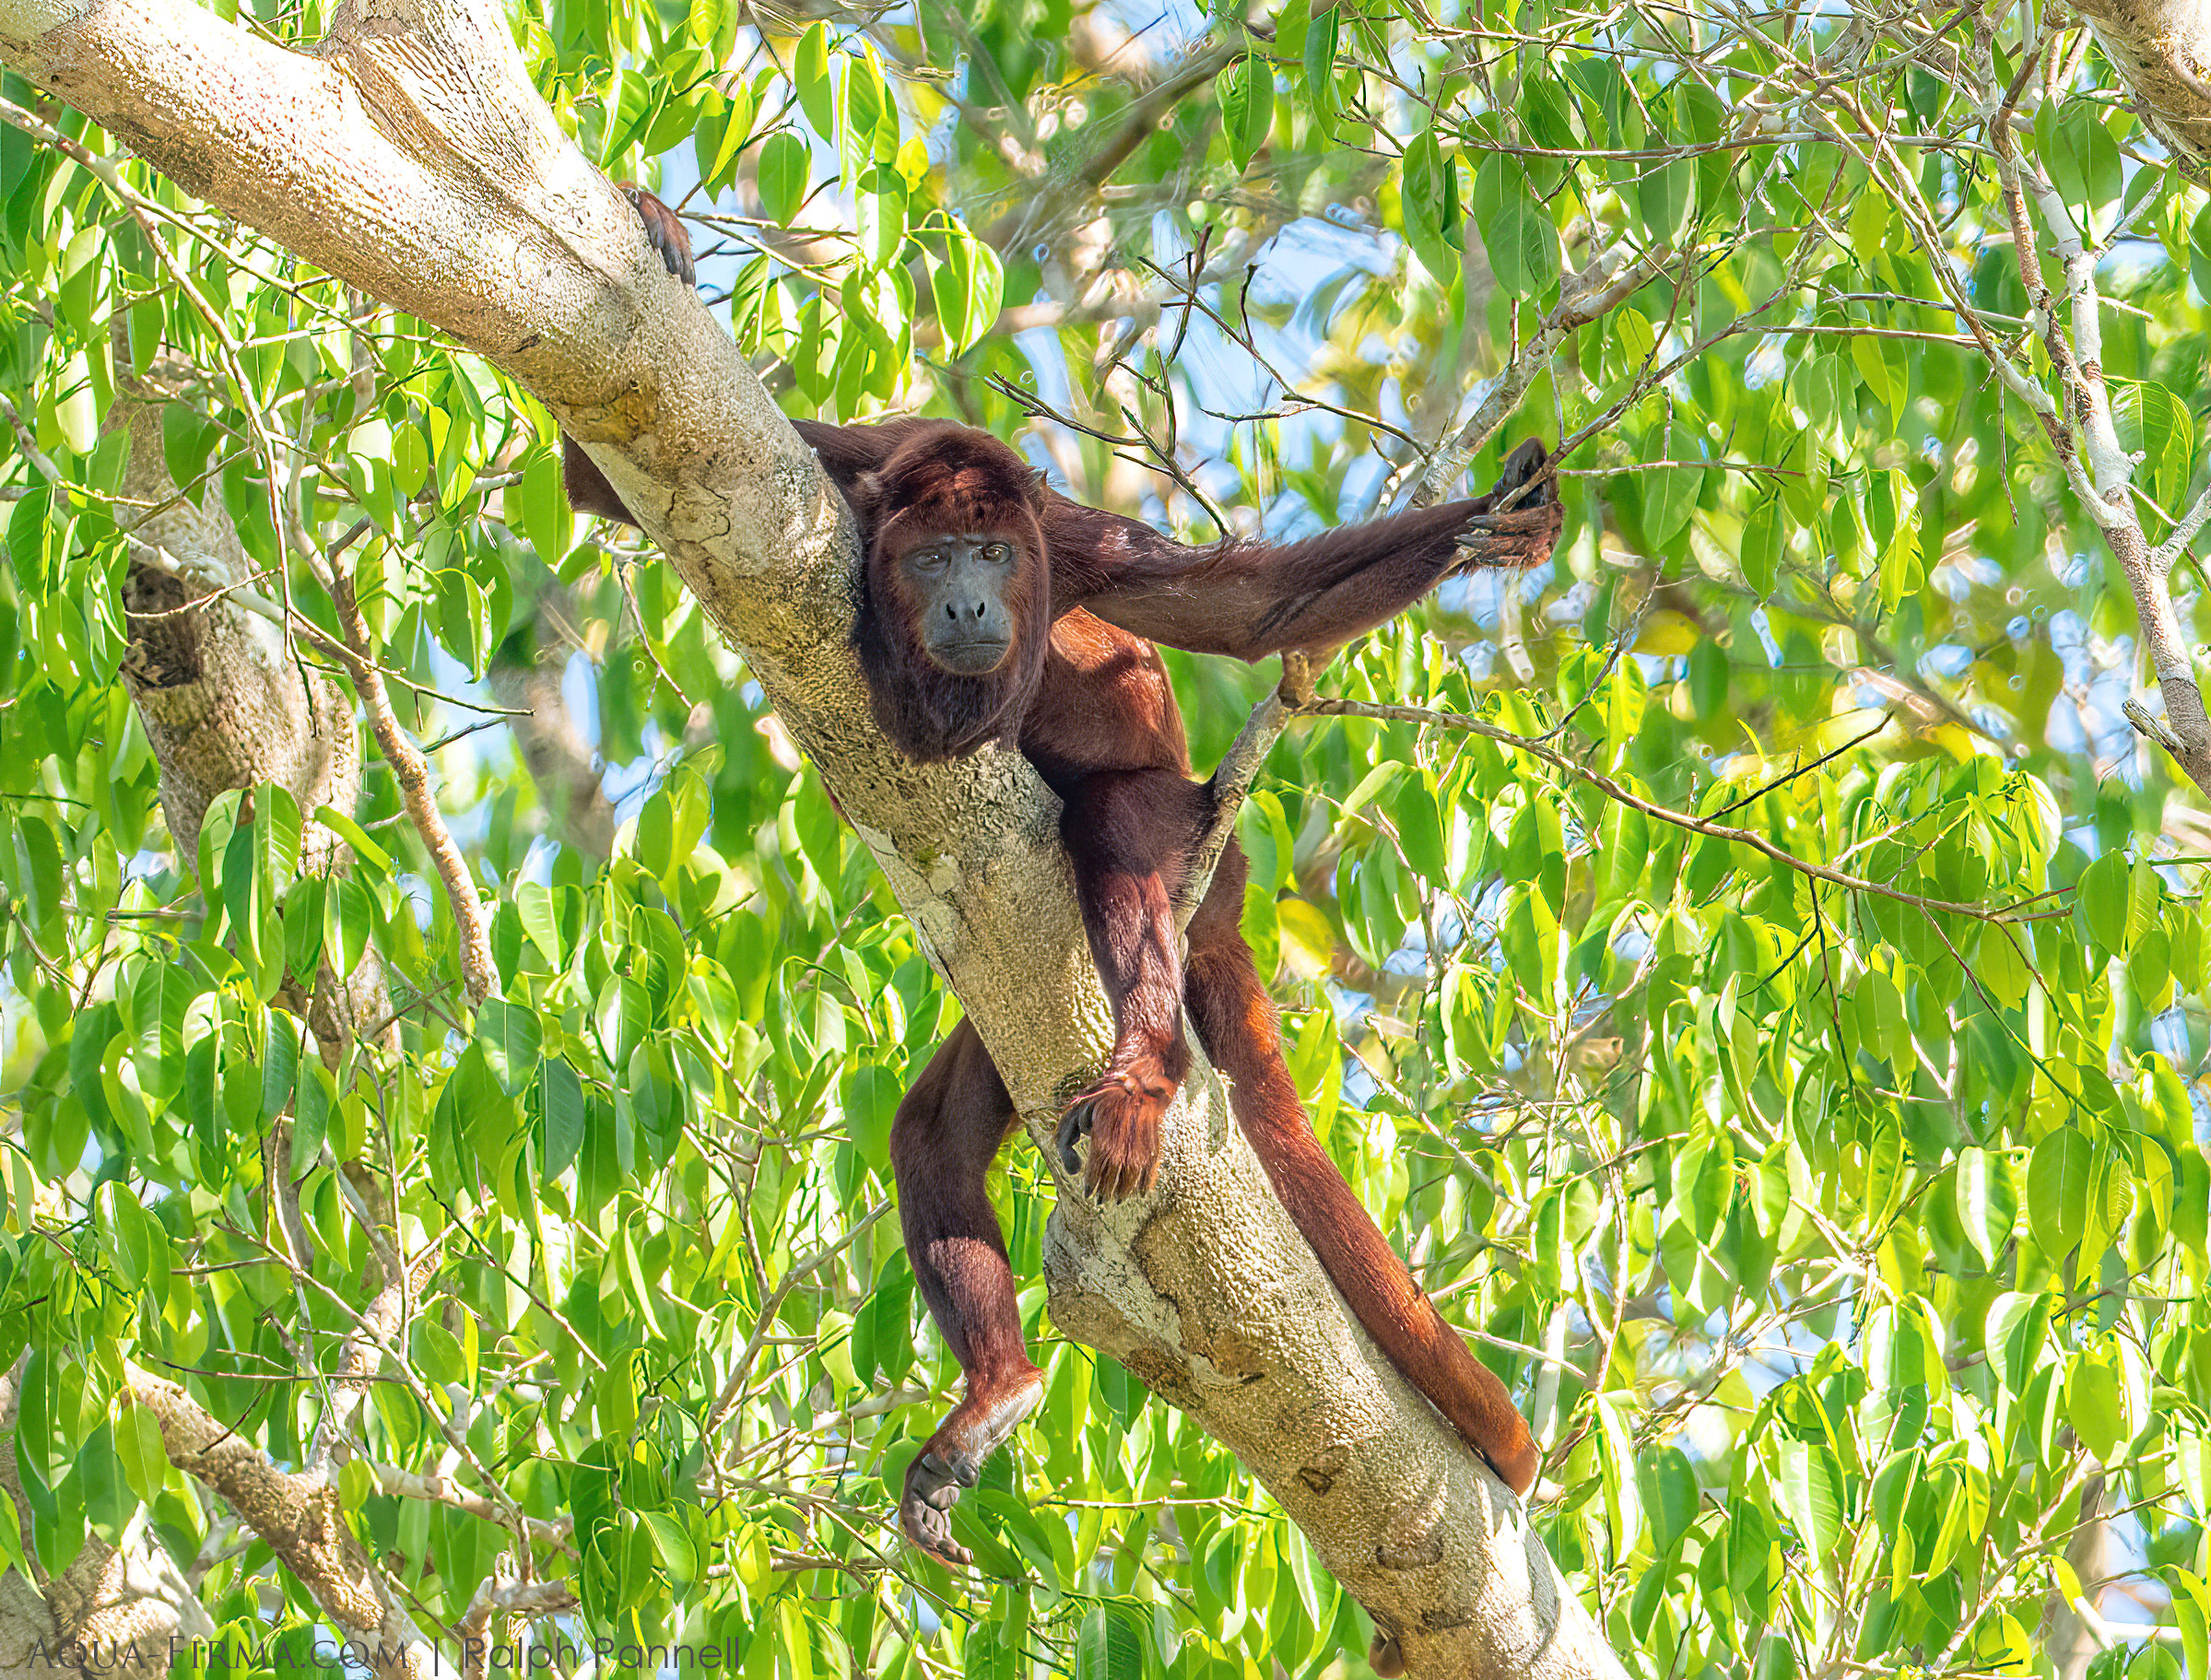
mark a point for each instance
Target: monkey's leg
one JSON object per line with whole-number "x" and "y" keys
{"x": 947, "y": 1132}
{"x": 1237, "y": 1024}
{"x": 1130, "y": 834}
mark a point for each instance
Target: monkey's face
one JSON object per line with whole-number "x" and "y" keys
{"x": 961, "y": 585}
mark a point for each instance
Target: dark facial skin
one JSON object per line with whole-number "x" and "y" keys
{"x": 960, "y": 580}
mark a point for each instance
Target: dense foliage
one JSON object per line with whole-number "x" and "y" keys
{"x": 1780, "y": 1046}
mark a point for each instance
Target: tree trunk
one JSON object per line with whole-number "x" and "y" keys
{"x": 410, "y": 156}
{"x": 2163, "y": 49}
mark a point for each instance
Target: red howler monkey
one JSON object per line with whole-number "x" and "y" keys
{"x": 995, "y": 610}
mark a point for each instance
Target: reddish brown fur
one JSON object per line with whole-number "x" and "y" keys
{"x": 932, "y": 484}
{"x": 1084, "y": 695}
{"x": 1101, "y": 724}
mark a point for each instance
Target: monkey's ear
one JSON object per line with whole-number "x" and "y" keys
{"x": 866, "y": 496}
{"x": 1038, "y": 485}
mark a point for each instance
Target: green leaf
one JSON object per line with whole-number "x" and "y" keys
{"x": 1670, "y": 492}
{"x": 1420, "y": 830}
{"x": 1869, "y": 227}
{"x": 2058, "y": 1176}
{"x": 279, "y": 1065}
{"x": 2154, "y": 423}
{"x": 811, "y": 72}
{"x": 1108, "y": 1645}
{"x": 2106, "y": 892}
{"x": 352, "y": 833}
{"x": 1765, "y": 537}
{"x": 1517, "y": 230}
{"x": 785, "y": 169}
{"x": 1663, "y": 197}
{"x": 2093, "y": 1405}
{"x": 2084, "y": 164}
{"x": 968, "y": 288}
{"x": 1428, "y": 198}
{"x": 1321, "y": 36}
{"x": 1671, "y": 1496}
{"x": 721, "y": 133}
{"x": 1811, "y": 1491}
{"x": 186, "y": 441}
{"x": 1987, "y": 1207}
{"x": 1246, "y": 90}
{"x": 672, "y": 1543}
{"x": 510, "y": 1038}
{"x": 561, "y": 1095}
{"x": 2014, "y": 1335}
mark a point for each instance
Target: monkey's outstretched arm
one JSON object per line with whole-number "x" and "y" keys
{"x": 1249, "y": 599}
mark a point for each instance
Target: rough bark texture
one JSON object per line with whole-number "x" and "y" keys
{"x": 126, "y": 1601}
{"x": 2163, "y": 49}
{"x": 410, "y": 158}
{"x": 301, "y": 1518}
{"x": 224, "y": 703}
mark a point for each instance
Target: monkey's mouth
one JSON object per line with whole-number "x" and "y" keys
{"x": 971, "y": 658}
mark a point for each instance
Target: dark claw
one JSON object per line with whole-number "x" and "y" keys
{"x": 1074, "y": 1126}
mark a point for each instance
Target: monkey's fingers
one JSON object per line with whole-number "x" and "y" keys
{"x": 1510, "y": 542}
{"x": 1122, "y": 1117}
{"x": 1514, "y": 522}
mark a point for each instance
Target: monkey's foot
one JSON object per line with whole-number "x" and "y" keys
{"x": 954, "y": 1458}
{"x": 1121, "y": 1116}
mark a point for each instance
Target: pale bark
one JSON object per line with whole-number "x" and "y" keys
{"x": 409, "y": 157}
{"x": 2162, "y": 48}
{"x": 301, "y": 1518}
{"x": 126, "y": 1602}
{"x": 224, "y": 703}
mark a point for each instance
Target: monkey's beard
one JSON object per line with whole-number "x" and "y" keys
{"x": 932, "y": 714}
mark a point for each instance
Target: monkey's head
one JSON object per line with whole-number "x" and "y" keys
{"x": 956, "y": 590}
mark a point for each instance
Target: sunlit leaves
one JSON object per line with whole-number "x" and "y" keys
{"x": 2082, "y": 157}
{"x": 969, "y": 287}
{"x": 2059, "y": 1175}
{"x": 1320, "y": 39}
{"x": 1429, "y": 196}
{"x": 723, "y": 127}
{"x": 1246, "y": 90}
{"x": 2158, "y": 427}
{"x": 785, "y": 165}
{"x": 1517, "y": 229}
{"x": 1848, "y": 1228}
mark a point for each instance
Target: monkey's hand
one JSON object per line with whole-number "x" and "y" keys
{"x": 665, "y": 233}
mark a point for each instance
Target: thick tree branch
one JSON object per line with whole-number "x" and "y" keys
{"x": 410, "y": 156}
{"x": 2163, "y": 49}
{"x": 299, "y": 1517}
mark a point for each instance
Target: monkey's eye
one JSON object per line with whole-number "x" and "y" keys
{"x": 927, "y": 560}
{"x": 998, "y": 554}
